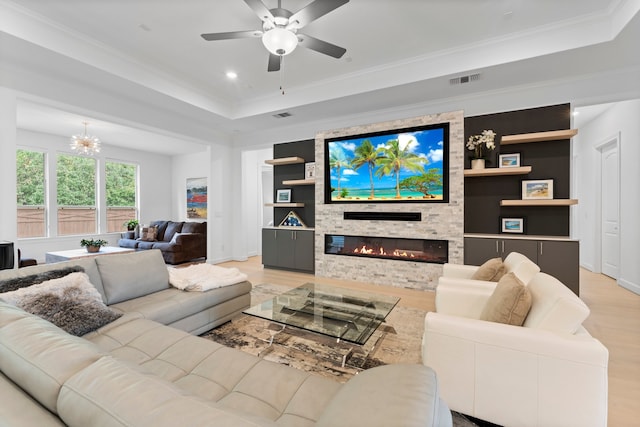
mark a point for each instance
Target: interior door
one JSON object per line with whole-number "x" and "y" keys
{"x": 610, "y": 190}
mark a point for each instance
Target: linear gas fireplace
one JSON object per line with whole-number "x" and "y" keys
{"x": 398, "y": 248}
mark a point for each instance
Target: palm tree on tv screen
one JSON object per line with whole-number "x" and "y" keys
{"x": 338, "y": 161}
{"x": 394, "y": 158}
{"x": 366, "y": 154}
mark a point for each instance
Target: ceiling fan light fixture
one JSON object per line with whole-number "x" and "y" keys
{"x": 280, "y": 41}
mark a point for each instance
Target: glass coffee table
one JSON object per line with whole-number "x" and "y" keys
{"x": 344, "y": 314}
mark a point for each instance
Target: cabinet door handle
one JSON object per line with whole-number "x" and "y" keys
{"x": 541, "y": 243}
{"x": 503, "y": 246}
{"x": 497, "y": 250}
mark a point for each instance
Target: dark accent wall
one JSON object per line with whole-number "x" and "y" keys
{"x": 549, "y": 159}
{"x": 299, "y": 193}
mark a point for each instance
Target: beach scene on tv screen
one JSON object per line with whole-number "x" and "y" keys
{"x": 403, "y": 166}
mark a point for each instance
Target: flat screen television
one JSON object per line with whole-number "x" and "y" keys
{"x": 408, "y": 165}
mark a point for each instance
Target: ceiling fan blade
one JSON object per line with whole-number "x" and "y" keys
{"x": 232, "y": 35}
{"x": 320, "y": 46}
{"x": 314, "y": 11}
{"x": 260, "y": 9}
{"x": 274, "y": 62}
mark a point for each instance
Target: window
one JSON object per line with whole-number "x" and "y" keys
{"x": 30, "y": 177}
{"x": 76, "y": 182}
{"x": 120, "y": 184}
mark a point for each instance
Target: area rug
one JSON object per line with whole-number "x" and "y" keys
{"x": 398, "y": 340}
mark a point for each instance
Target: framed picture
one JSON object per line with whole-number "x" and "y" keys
{"x": 512, "y": 225}
{"x": 310, "y": 170}
{"x": 509, "y": 160}
{"x": 283, "y": 195}
{"x": 197, "y": 198}
{"x": 533, "y": 189}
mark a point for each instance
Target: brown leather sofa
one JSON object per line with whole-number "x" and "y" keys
{"x": 178, "y": 241}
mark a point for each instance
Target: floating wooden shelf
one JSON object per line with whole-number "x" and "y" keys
{"x": 521, "y": 170}
{"x": 550, "y": 202}
{"x": 553, "y": 135}
{"x": 285, "y": 205}
{"x": 285, "y": 161}
{"x": 299, "y": 182}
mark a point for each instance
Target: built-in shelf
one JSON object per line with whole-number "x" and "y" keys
{"x": 549, "y": 202}
{"x": 553, "y": 135}
{"x": 285, "y": 205}
{"x": 299, "y": 182}
{"x": 521, "y": 170}
{"x": 285, "y": 161}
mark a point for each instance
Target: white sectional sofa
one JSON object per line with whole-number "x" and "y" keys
{"x": 136, "y": 371}
{"x": 548, "y": 372}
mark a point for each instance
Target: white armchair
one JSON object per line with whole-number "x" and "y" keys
{"x": 548, "y": 372}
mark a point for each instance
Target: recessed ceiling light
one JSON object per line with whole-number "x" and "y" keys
{"x": 231, "y": 75}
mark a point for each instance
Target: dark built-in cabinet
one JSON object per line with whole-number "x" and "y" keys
{"x": 558, "y": 258}
{"x": 542, "y": 138}
{"x": 288, "y": 249}
{"x": 291, "y": 248}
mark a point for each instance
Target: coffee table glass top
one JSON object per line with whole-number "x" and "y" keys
{"x": 341, "y": 313}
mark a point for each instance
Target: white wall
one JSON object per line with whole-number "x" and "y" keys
{"x": 623, "y": 119}
{"x": 252, "y": 197}
{"x": 215, "y": 164}
{"x": 155, "y": 182}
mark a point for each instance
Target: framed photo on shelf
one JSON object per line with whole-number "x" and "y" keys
{"x": 310, "y": 170}
{"x": 283, "y": 195}
{"x": 509, "y": 160}
{"x": 537, "y": 189}
{"x": 512, "y": 225}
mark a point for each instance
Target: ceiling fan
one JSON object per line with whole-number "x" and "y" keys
{"x": 280, "y": 30}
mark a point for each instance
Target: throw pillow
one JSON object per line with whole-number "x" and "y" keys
{"x": 33, "y": 279}
{"x": 72, "y": 303}
{"x": 510, "y": 302}
{"x": 492, "y": 270}
{"x": 149, "y": 234}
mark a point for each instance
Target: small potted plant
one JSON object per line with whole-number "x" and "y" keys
{"x": 93, "y": 245}
{"x": 131, "y": 224}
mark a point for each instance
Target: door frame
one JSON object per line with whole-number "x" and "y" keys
{"x": 611, "y": 141}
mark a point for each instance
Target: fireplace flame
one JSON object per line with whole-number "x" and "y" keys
{"x": 364, "y": 250}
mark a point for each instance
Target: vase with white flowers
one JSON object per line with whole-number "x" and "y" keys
{"x": 480, "y": 145}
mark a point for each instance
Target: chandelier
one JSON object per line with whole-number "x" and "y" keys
{"x": 85, "y": 144}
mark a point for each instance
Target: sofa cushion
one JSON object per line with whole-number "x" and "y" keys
{"x": 38, "y": 356}
{"x": 125, "y": 396}
{"x": 521, "y": 266}
{"x": 381, "y": 397}
{"x": 127, "y": 276}
{"x": 492, "y": 270}
{"x": 194, "y": 227}
{"x": 171, "y": 305}
{"x": 509, "y": 303}
{"x": 69, "y": 302}
{"x": 554, "y": 307}
{"x": 172, "y": 228}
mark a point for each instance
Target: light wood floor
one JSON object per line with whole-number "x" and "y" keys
{"x": 614, "y": 320}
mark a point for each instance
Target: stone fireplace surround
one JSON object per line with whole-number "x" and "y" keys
{"x": 439, "y": 221}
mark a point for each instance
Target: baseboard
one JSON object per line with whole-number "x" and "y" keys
{"x": 633, "y": 287}
{"x": 587, "y": 266}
